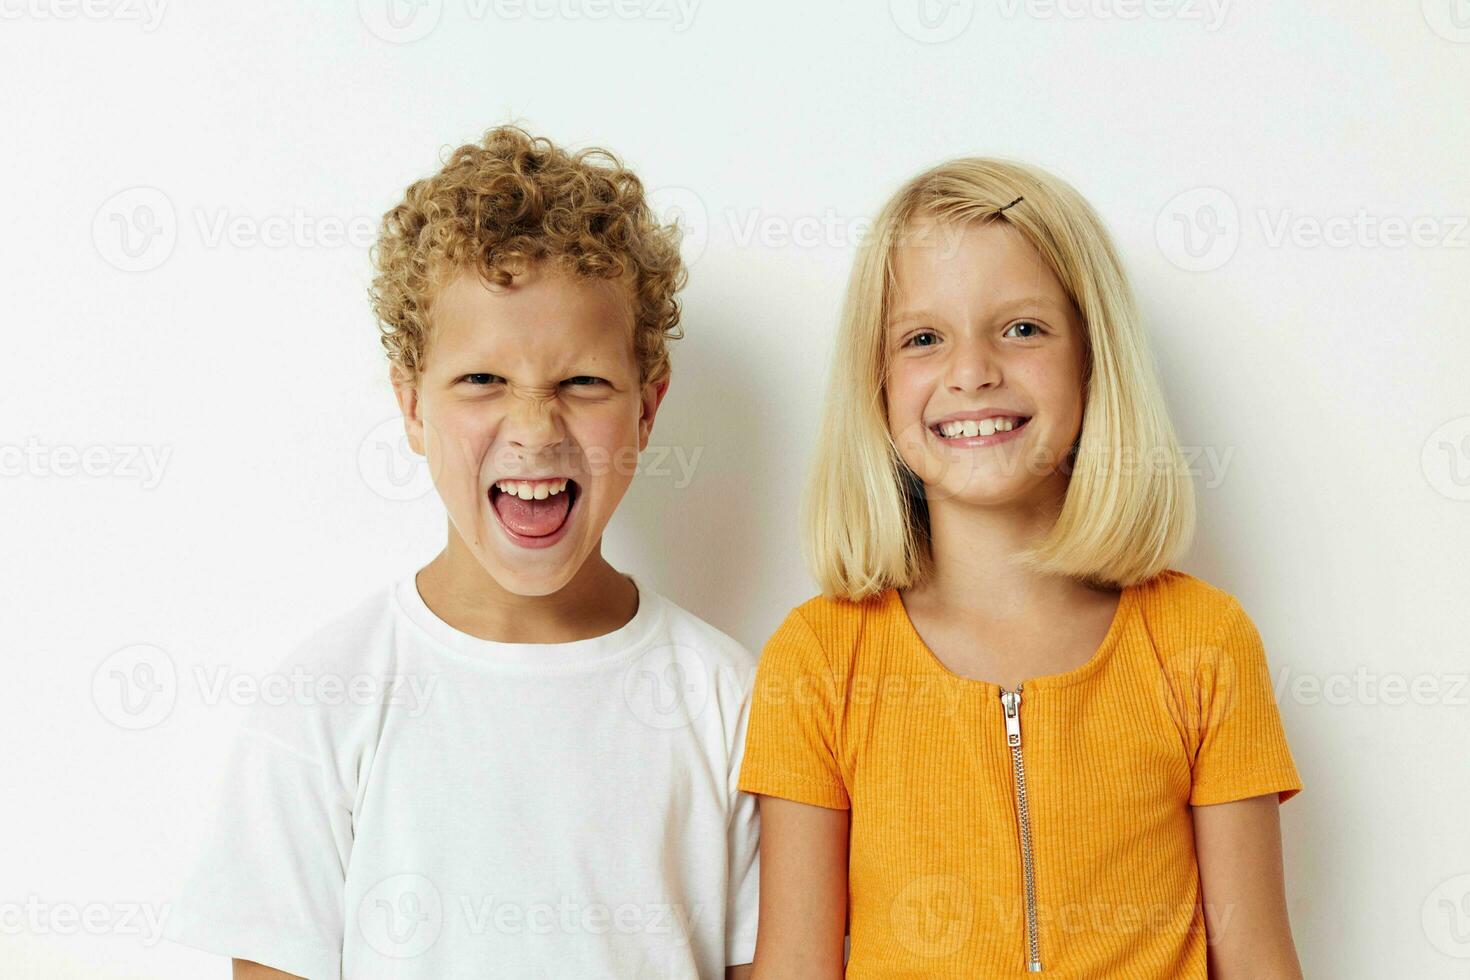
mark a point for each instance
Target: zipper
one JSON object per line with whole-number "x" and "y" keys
{"x": 1011, "y": 703}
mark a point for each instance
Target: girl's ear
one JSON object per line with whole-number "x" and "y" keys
{"x": 406, "y": 390}
{"x": 653, "y": 397}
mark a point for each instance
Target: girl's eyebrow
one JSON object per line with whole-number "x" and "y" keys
{"x": 1009, "y": 305}
{"x": 1034, "y": 302}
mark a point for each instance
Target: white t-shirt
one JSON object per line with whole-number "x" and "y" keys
{"x": 427, "y": 804}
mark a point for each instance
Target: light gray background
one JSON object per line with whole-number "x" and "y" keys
{"x": 1287, "y": 183}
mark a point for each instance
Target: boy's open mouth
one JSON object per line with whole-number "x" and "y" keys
{"x": 534, "y": 512}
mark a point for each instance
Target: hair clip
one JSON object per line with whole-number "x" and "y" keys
{"x": 1012, "y": 204}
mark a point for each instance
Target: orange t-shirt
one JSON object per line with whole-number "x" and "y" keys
{"x": 1088, "y": 785}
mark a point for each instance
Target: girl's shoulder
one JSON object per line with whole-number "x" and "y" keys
{"x": 1179, "y": 594}
{"x": 837, "y": 629}
{"x": 1170, "y": 597}
{"x": 1183, "y": 612}
{"x": 1178, "y": 612}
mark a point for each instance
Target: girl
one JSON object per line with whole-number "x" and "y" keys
{"x": 1008, "y": 737}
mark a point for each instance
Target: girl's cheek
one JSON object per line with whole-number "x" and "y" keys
{"x": 909, "y": 396}
{"x": 900, "y": 384}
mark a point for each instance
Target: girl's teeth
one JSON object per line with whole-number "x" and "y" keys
{"x": 531, "y": 490}
{"x": 969, "y": 428}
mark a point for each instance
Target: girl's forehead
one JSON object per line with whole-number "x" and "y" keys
{"x": 984, "y": 267}
{"x": 980, "y": 246}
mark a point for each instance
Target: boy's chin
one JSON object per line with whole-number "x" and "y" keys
{"x": 536, "y": 576}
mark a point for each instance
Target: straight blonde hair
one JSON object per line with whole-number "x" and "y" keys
{"x": 1129, "y": 510}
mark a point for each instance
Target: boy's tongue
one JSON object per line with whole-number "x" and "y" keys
{"x": 533, "y": 518}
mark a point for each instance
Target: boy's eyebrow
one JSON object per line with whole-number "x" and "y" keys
{"x": 482, "y": 362}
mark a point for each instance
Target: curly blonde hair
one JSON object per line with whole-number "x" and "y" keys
{"x": 514, "y": 199}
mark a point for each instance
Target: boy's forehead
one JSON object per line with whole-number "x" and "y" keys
{"x": 543, "y": 317}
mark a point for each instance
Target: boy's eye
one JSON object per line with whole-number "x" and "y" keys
{"x": 924, "y": 338}
{"x": 1035, "y": 330}
{"x": 481, "y": 379}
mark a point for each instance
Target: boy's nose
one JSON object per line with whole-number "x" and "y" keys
{"x": 533, "y": 424}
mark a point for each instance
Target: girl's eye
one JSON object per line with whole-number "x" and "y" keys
{"x": 1035, "y": 330}
{"x": 924, "y": 338}
{"x": 583, "y": 381}
{"x": 480, "y": 379}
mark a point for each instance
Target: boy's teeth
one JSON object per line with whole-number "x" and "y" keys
{"x": 968, "y": 428}
{"x": 531, "y": 490}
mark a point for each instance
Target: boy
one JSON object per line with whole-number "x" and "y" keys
{"x": 550, "y": 791}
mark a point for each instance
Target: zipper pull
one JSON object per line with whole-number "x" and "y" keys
{"x": 1011, "y": 701}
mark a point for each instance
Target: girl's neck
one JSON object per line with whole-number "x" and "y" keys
{"x": 973, "y": 557}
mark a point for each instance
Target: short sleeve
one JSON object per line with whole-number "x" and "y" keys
{"x": 742, "y": 904}
{"x": 269, "y": 884}
{"x": 791, "y": 749}
{"x": 1239, "y": 743}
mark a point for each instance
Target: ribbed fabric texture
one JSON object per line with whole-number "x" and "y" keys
{"x": 852, "y": 710}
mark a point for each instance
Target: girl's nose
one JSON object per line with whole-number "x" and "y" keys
{"x": 972, "y": 366}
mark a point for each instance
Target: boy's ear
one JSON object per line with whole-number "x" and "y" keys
{"x": 653, "y": 396}
{"x": 406, "y": 390}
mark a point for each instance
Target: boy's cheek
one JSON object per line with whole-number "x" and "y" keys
{"x": 610, "y": 443}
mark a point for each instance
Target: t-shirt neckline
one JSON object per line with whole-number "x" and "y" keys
{"x": 632, "y": 636}
{"x": 1127, "y": 600}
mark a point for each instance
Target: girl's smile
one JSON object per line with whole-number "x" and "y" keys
{"x": 973, "y": 430}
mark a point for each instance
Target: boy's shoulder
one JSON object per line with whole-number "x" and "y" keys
{"x": 685, "y": 629}
{"x": 351, "y": 635}
{"x": 360, "y": 634}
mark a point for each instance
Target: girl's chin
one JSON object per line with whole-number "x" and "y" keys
{"x": 1000, "y": 490}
